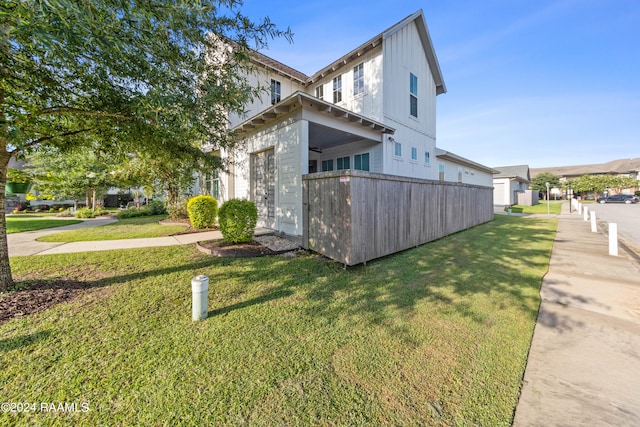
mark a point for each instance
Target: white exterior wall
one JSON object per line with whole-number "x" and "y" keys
{"x": 263, "y": 76}
{"x": 403, "y": 54}
{"x": 504, "y": 190}
{"x": 289, "y": 140}
{"x": 470, "y": 175}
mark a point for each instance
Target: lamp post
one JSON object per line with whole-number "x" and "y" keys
{"x": 548, "y": 207}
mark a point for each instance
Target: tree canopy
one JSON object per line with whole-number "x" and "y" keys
{"x": 539, "y": 183}
{"x": 130, "y": 76}
{"x": 600, "y": 183}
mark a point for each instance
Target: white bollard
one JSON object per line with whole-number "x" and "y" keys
{"x": 586, "y": 213}
{"x": 200, "y": 297}
{"x": 613, "y": 239}
{"x": 579, "y": 208}
{"x": 594, "y": 226}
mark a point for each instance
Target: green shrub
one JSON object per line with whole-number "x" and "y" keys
{"x": 237, "y": 220}
{"x": 178, "y": 210}
{"x": 157, "y": 207}
{"x": 134, "y": 213}
{"x": 202, "y": 211}
{"x": 85, "y": 213}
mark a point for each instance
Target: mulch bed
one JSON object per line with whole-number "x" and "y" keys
{"x": 221, "y": 248}
{"x": 34, "y": 296}
{"x": 187, "y": 222}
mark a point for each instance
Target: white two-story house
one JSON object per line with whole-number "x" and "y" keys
{"x": 374, "y": 109}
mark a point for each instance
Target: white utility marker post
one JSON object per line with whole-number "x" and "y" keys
{"x": 613, "y": 239}
{"x": 586, "y": 213}
{"x": 594, "y": 227}
{"x": 579, "y": 208}
{"x": 200, "y": 297}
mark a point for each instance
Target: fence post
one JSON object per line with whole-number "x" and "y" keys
{"x": 613, "y": 239}
{"x": 594, "y": 227}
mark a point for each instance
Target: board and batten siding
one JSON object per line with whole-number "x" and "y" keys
{"x": 354, "y": 216}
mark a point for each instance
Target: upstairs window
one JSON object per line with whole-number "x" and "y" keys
{"x": 427, "y": 157}
{"x": 414, "y": 153}
{"x": 337, "y": 89}
{"x": 320, "y": 92}
{"x": 358, "y": 79}
{"x": 275, "y": 91}
{"x": 413, "y": 95}
{"x": 397, "y": 149}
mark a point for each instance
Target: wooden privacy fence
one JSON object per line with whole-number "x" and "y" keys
{"x": 355, "y": 216}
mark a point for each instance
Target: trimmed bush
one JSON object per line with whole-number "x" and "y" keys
{"x": 85, "y": 213}
{"x": 134, "y": 213}
{"x": 237, "y": 220}
{"x": 202, "y": 211}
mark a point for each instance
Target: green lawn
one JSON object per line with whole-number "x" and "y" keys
{"x": 130, "y": 228}
{"x": 436, "y": 335}
{"x": 540, "y": 208}
{"x": 28, "y": 222}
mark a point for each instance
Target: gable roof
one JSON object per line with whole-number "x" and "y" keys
{"x": 614, "y": 167}
{"x": 423, "y": 32}
{"x": 520, "y": 172}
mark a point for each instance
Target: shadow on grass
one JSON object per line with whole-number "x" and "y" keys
{"x": 281, "y": 293}
{"x": 9, "y": 344}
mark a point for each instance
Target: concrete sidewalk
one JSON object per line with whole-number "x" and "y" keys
{"x": 584, "y": 362}
{"x": 25, "y": 244}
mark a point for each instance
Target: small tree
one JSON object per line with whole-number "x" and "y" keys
{"x": 539, "y": 183}
{"x": 237, "y": 220}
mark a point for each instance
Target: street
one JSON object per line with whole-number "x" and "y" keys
{"x": 626, "y": 216}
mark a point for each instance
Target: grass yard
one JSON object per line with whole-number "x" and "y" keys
{"x": 436, "y": 335}
{"x": 540, "y": 208}
{"x": 129, "y": 228}
{"x": 27, "y": 222}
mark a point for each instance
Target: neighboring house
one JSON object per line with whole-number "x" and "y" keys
{"x": 372, "y": 110}
{"x": 508, "y": 183}
{"x": 623, "y": 167}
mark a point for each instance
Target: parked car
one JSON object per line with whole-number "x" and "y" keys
{"x": 619, "y": 198}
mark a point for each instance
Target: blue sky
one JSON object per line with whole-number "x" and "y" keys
{"x": 543, "y": 83}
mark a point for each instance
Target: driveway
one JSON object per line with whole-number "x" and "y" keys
{"x": 626, "y": 216}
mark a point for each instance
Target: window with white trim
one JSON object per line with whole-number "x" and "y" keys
{"x": 397, "y": 149}
{"x": 337, "y": 89}
{"x": 275, "y": 91}
{"x": 459, "y": 174}
{"x": 327, "y": 165}
{"x": 441, "y": 172}
{"x": 427, "y": 157}
{"x": 358, "y": 79}
{"x": 320, "y": 92}
{"x": 414, "y": 153}
{"x": 413, "y": 95}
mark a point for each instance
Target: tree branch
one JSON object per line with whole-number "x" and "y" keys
{"x": 63, "y": 110}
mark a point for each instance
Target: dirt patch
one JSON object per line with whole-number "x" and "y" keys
{"x": 33, "y": 296}
{"x": 220, "y": 248}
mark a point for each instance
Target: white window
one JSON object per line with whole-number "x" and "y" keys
{"x": 275, "y": 91}
{"x": 358, "y": 79}
{"x": 413, "y": 95}
{"x": 327, "y": 165}
{"x": 427, "y": 157}
{"x": 459, "y": 174}
{"x": 441, "y": 172}
{"x": 337, "y": 89}
{"x": 414, "y": 153}
{"x": 397, "y": 149}
{"x": 320, "y": 92}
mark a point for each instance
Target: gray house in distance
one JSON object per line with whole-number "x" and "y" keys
{"x": 510, "y": 186}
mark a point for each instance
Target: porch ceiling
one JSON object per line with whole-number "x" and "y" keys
{"x": 299, "y": 100}
{"x": 323, "y": 137}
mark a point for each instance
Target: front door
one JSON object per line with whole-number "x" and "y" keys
{"x": 263, "y": 187}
